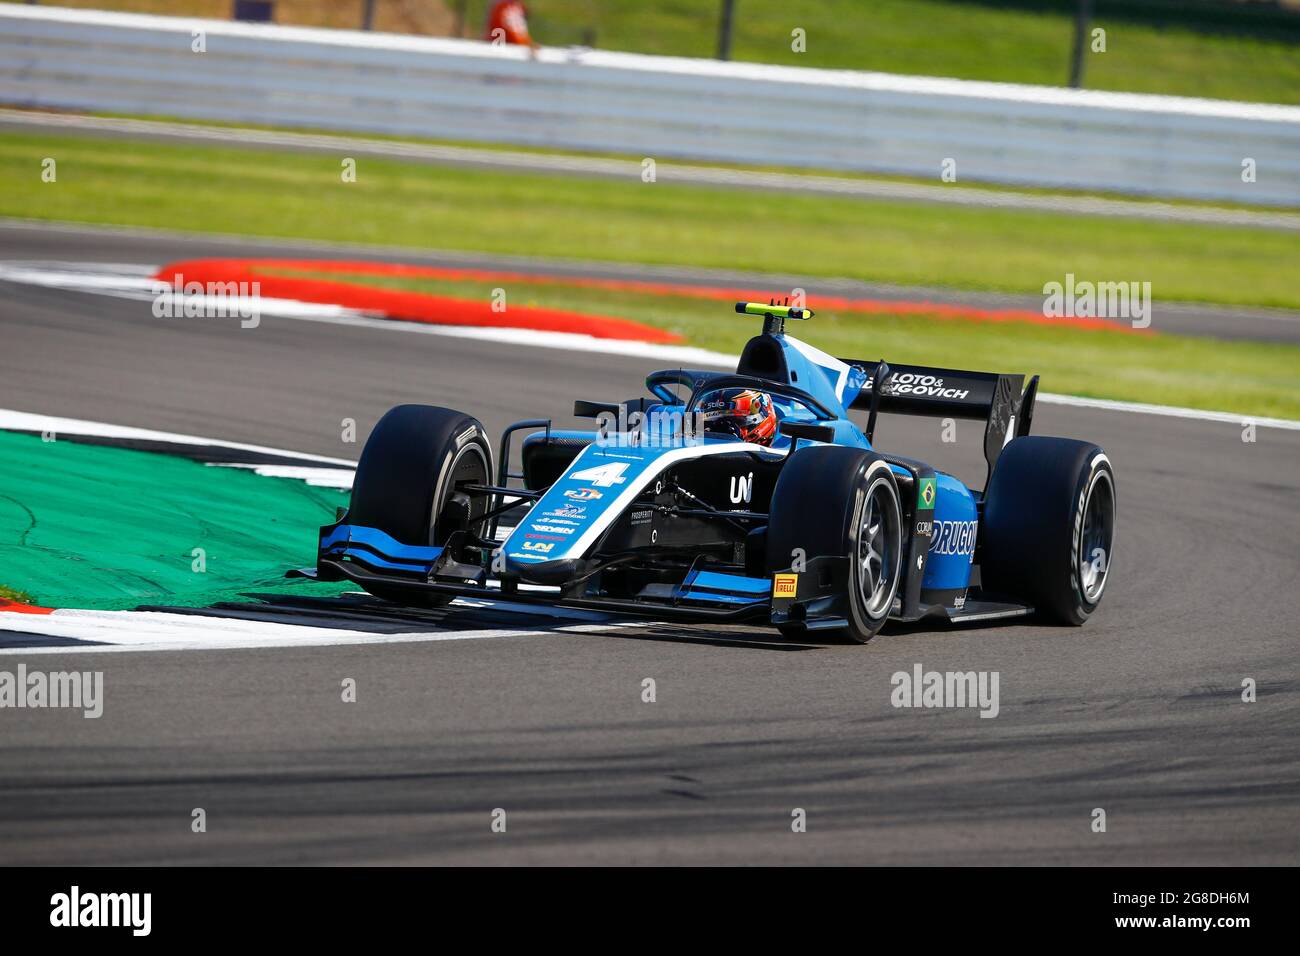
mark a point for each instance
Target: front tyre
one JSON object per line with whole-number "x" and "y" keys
{"x": 408, "y": 481}
{"x": 1049, "y": 526}
{"x": 878, "y": 547}
{"x": 843, "y": 502}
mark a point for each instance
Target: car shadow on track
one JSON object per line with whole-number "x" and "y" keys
{"x": 361, "y": 612}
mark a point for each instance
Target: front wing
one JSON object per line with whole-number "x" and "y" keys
{"x": 811, "y": 598}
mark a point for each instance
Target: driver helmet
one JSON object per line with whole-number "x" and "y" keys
{"x": 743, "y": 413}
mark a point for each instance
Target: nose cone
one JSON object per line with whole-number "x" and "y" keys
{"x": 555, "y": 573}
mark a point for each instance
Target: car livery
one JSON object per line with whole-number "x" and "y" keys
{"x": 808, "y": 527}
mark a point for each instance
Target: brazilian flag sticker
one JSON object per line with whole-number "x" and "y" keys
{"x": 925, "y": 494}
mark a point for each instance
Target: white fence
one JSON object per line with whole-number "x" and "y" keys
{"x": 663, "y": 107}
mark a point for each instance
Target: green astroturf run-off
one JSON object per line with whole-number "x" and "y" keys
{"x": 87, "y": 526}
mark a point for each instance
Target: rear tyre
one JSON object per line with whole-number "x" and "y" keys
{"x": 831, "y": 500}
{"x": 407, "y": 481}
{"x": 1049, "y": 526}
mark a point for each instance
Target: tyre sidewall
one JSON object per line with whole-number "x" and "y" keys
{"x": 404, "y": 473}
{"x": 1033, "y": 524}
{"x": 863, "y": 625}
{"x": 817, "y": 507}
{"x": 446, "y": 470}
{"x": 1098, "y": 470}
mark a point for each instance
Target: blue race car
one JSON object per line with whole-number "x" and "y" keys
{"x": 738, "y": 497}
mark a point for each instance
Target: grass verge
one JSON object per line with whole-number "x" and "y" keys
{"x": 1155, "y": 46}
{"x": 967, "y": 187}
{"x": 14, "y": 595}
{"x": 261, "y": 193}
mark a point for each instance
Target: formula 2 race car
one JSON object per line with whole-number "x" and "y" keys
{"x": 749, "y": 497}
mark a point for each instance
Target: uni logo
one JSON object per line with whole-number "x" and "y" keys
{"x": 742, "y": 488}
{"x": 785, "y": 585}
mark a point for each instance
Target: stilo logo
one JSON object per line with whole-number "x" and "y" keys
{"x": 742, "y": 488}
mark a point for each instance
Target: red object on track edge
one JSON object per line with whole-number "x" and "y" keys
{"x": 399, "y": 304}
{"x": 14, "y": 607}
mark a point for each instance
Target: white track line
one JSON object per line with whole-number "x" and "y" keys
{"x": 126, "y": 631}
{"x": 14, "y": 420}
{"x": 340, "y": 478}
{"x": 671, "y": 354}
{"x": 1169, "y": 411}
{"x": 687, "y": 355}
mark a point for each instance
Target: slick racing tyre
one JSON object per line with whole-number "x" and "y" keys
{"x": 408, "y": 478}
{"x": 832, "y": 500}
{"x": 1049, "y": 526}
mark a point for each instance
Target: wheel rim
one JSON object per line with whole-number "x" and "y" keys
{"x": 879, "y": 542}
{"x": 468, "y": 467}
{"x": 1095, "y": 552}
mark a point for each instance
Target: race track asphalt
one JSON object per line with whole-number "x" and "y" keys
{"x": 1138, "y": 713}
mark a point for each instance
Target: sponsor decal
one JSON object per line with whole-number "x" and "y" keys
{"x": 642, "y": 517}
{"x": 924, "y": 528}
{"x": 960, "y": 602}
{"x": 545, "y": 547}
{"x": 954, "y": 537}
{"x": 924, "y": 386}
{"x": 568, "y": 511}
{"x": 603, "y": 476}
{"x": 785, "y": 585}
{"x": 583, "y": 494}
{"x": 553, "y": 529}
{"x": 925, "y": 493}
{"x": 544, "y": 537}
{"x": 742, "y": 488}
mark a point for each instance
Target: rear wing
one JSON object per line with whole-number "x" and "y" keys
{"x": 1002, "y": 402}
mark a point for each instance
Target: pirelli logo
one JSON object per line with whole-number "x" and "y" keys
{"x": 785, "y": 585}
